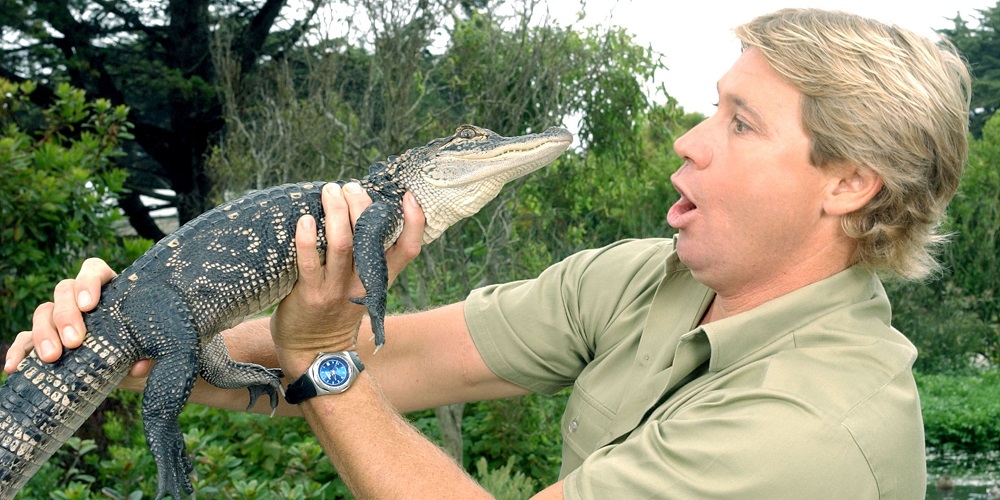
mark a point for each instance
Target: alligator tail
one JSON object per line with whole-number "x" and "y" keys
{"x": 42, "y": 404}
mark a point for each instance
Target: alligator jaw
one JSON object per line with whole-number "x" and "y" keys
{"x": 489, "y": 156}
{"x": 453, "y": 178}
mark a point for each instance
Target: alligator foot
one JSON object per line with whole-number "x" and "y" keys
{"x": 173, "y": 466}
{"x": 218, "y": 369}
{"x": 272, "y": 389}
{"x": 377, "y": 227}
{"x": 167, "y": 389}
{"x": 376, "y": 312}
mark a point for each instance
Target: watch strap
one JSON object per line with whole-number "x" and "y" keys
{"x": 300, "y": 390}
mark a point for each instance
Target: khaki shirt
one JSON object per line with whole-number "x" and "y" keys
{"x": 806, "y": 396}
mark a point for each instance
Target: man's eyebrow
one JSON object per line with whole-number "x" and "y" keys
{"x": 741, "y": 104}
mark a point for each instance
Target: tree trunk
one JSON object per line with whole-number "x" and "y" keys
{"x": 449, "y": 420}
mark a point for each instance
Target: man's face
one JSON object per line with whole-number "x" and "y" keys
{"x": 751, "y": 202}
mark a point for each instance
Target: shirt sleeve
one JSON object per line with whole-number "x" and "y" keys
{"x": 541, "y": 333}
{"x": 756, "y": 445}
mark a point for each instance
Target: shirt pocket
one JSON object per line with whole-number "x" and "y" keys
{"x": 584, "y": 423}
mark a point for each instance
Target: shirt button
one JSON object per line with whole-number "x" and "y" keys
{"x": 573, "y": 425}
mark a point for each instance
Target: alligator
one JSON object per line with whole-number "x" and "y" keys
{"x": 224, "y": 266}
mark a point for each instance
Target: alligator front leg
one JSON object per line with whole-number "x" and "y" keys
{"x": 376, "y": 225}
{"x": 220, "y": 370}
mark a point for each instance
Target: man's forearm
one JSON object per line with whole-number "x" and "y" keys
{"x": 378, "y": 453}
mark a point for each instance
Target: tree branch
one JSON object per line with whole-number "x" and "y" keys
{"x": 131, "y": 20}
{"x": 253, "y": 37}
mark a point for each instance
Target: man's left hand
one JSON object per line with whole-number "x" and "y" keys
{"x": 316, "y": 316}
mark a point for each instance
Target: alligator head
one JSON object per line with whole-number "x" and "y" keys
{"x": 453, "y": 177}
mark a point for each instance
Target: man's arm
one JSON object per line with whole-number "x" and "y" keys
{"x": 428, "y": 360}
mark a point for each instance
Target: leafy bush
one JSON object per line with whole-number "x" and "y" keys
{"x": 504, "y": 483}
{"x": 56, "y": 198}
{"x": 943, "y": 322}
{"x": 522, "y": 432}
{"x": 961, "y": 412}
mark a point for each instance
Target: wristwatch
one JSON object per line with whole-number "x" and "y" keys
{"x": 329, "y": 373}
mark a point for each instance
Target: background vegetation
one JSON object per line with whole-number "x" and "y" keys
{"x": 224, "y": 97}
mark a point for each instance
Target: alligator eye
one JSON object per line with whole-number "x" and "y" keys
{"x": 467, "y": 133}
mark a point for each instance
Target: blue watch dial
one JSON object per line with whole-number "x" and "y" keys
{"x": 334, "y": 372}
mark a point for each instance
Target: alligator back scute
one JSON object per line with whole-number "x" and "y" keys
{"x": 238, "y": 259}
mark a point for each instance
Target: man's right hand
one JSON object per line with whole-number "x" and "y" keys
{"x": 60, "y": 323}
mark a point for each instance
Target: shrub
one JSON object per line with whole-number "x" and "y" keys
{"x": 57, "y": 197}
{"x": 961, "y": 412}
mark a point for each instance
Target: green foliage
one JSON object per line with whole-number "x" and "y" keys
{"x": 57, "y": 198}
{"x": 980, "y": 46}
{"x": 503, "y": 482}
{"x": 961, "y": 412}
{"x": 944, "y": 324}
{"x": 153, "y": 57}
{"x": 522, "y": 433}
{"x": 235, "y": 455}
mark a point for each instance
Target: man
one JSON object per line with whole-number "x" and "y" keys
{"x": 751, "y": 356}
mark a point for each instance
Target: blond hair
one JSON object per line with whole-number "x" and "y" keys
{"x": 885, "y": 99}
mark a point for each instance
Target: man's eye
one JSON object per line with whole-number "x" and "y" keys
{"x": 740, "y": 126}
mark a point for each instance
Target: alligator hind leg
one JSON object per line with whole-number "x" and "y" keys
{"x": 220, "y": 370}
{"x": 175, "y": 349}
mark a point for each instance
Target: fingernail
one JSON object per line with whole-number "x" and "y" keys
{"x": 83, "y": 300}
{"x": 8, "y": 365}
{"x": 308, "y": 222}
{"x": 70, "y": 334}
{"x": 352, "y": 187}
{"x": 47, "y": 348}
{"x": 332, "y": 188}
{"x": 411, "y": 199}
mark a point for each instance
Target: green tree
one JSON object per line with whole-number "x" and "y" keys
{"x": 981, "y": 47}
{"x": 57, "y": 198}
{"x": 153, "y": 57}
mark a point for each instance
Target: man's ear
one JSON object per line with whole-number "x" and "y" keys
{"x": 851, "y": 187}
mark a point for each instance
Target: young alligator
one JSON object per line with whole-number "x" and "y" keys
{"x": 222, "y": 267}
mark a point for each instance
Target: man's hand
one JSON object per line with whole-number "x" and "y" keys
{"x": 60, "y": 323}
{"x": 316, "y": 316}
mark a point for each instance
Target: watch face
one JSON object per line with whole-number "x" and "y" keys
{"x": 334, "y": 372}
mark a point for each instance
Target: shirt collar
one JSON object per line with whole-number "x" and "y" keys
{"x": 766, "y": 328}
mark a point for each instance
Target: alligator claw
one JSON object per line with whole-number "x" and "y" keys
{"x": 273, "y": 390}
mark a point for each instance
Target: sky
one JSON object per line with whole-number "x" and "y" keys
{"x": 697, "y": 41}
